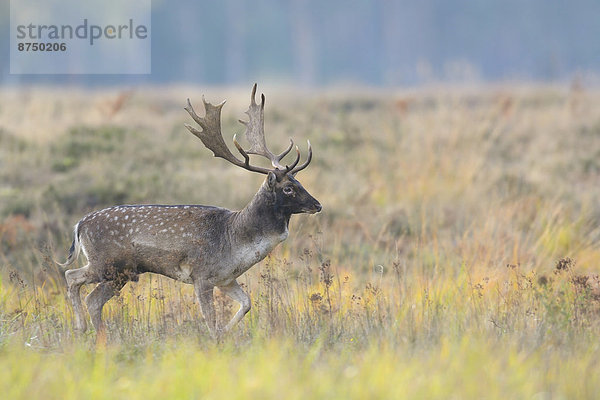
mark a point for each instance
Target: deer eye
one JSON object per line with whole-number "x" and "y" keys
{"x": 288, "y": 190}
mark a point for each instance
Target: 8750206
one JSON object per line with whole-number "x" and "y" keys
{"x": 34, "y": 46}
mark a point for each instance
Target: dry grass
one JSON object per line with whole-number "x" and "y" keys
{"x": 457, "y": 254}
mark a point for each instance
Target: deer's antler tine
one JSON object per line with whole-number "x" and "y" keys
{"x": 291, "y": 167}
{"x": 193, "y": 114}
{"x": 253, "y": 96}
{"x": 241, "y": 150}
{"x": 195, "y": 131}
{"x": 305, "y": 163}
{"x": 286, "y": 151}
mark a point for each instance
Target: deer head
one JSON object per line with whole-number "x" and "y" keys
{"x": 282, "y": 189}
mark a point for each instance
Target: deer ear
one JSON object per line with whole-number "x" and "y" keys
{"x": 271, "y": 180}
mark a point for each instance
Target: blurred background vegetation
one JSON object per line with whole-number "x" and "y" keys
{"x": 373, "y": 42}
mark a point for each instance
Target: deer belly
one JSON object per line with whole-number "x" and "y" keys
{"x": 161, "y": 261}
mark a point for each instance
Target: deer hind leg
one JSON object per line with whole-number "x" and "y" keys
{"x": 75, "y": 279}
{"x": 204, "y": 293}
{"x": 235, "y": 291}
{"x": 103, "y": 292}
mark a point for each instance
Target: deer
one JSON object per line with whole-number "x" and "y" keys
{"x": 205, "y": 246}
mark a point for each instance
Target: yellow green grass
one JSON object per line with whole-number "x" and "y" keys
{"x": 469, "y": 368}
{"x": 456, "y": 257}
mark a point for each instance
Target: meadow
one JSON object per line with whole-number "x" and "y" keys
{"x": 457, "y": 254}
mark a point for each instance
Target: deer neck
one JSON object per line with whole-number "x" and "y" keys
{"x": 262, "y": 218}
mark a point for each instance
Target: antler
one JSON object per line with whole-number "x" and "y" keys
{"x": 255, "y": 134}
{"x": 212, "y": 137}
{"x": 294, "y": 171}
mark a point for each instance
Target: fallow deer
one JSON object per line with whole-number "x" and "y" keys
{"x": 205, "y": 246}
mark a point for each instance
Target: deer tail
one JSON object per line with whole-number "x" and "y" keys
{"x": 74, "y": 250}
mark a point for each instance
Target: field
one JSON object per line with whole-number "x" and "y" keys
{"x": 457, "y": 254}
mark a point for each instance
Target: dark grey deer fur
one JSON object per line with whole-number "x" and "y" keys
{"x": 205, "y": 246}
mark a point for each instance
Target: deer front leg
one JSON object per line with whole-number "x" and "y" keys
{"x": 204, "y": 293}
{"x": 234, "y": 291}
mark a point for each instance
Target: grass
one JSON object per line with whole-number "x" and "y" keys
{"x": 457, "y": 255}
